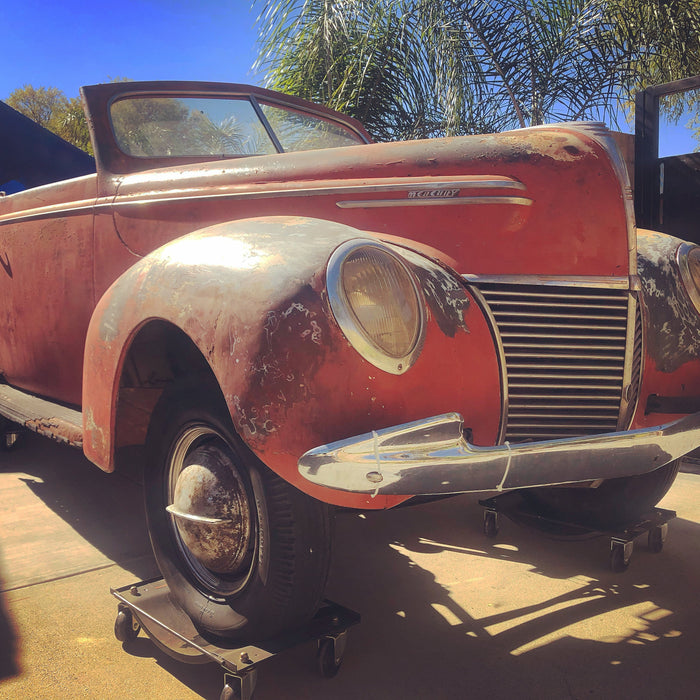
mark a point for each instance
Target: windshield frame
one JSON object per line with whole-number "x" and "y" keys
{"x": 98, "y": 100}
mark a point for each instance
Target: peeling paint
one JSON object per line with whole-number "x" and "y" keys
{"x": 673, "y": 323}
{"x": 444, "y": 294}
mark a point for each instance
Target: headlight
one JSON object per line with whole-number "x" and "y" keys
{"x": 689, "y": 263}
{"x": 375, "y": 299}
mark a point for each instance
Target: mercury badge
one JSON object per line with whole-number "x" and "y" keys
{"x": 433, "y": 194}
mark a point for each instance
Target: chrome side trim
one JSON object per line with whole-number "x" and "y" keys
{"x": 432, "y": 202}
{"x": 300, "y": 189}
{"x": 552, "y": 280}
{"x": 51, "y": 212}
{"x": 432, "y": 457}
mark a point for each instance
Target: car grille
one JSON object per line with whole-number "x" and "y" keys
{"x": 565, "y": 352}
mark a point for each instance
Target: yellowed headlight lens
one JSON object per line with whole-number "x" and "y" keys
{"x": 377, "y": 303}
{"x": 383, "y": 298}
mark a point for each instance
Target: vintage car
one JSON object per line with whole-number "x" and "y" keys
{"x": 283, "y": 317}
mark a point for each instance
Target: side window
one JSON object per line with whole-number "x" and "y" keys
{"x": 161, "y": 127}
{"x": 300, "y": 131}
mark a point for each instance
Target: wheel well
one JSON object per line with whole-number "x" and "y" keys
{"x": 158, "y": 354}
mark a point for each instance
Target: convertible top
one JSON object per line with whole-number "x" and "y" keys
{"x": 31, "y": 155}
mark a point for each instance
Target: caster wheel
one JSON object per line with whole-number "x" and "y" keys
{"x": 239, "y": 687}
{"x": 490, "y": 523}
{"x": 620, "y": 555}
{"x": 126, "y": 628}
{"x": 656, "y": 539}
{"x": 328, "y": 659}
{"x": 229, "y": 693}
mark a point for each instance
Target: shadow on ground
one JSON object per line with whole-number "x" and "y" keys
{"x": 446, "y": 611}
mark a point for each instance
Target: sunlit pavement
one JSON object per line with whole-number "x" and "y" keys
{"x": 447, "y": 612}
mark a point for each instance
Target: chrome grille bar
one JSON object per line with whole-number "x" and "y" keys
{"x": 565, "y": 351}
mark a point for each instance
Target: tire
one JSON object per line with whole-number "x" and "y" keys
{"x": 614, "y": 503}
{"x": 259, "y": 571}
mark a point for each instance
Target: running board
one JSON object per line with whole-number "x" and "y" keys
{"x": 44, "y": 417}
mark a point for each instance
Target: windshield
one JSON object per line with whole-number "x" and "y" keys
{"x": 149, "y": 127}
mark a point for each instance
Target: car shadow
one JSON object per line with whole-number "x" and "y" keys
{"x": 105, "y": 510}
{"x": 9, "y": 662}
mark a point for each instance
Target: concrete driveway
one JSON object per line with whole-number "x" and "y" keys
{"x": 447, "y": 613}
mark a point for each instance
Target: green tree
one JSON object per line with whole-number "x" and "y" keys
{"x": 50, "y": 108}
{"x": 39, "y": 104}
{"x": 414, "y": 68}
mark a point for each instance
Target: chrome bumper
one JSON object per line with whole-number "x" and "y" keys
{"x": 432, "y": 456}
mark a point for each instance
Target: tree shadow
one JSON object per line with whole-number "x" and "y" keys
{"x": 446, "y": 611}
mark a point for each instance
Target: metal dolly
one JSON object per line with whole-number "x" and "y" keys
{"x": 654, "y": 524}
{"x": 147, "y": 605}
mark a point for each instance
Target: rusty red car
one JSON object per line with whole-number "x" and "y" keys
{"x": 284, "y": 317}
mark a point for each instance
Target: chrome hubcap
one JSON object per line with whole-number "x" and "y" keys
{"x": 209, "y": 503}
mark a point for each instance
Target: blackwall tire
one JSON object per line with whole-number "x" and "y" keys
{"x": 614, "y": 503}
{"x": 276, "y": 540}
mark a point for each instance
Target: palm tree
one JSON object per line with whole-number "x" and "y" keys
{"x": 417, "y": 68}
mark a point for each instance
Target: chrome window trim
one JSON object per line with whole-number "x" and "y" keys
{"x": 349, "y": 324}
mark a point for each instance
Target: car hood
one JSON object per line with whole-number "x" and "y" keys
{"x": 546, "y": 201}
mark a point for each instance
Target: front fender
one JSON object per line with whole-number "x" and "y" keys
{"x": 251, "y": 296}
{"x": 224, "y": 286}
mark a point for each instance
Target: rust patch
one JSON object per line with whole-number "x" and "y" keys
{"x": 294, "y": 342}
{"x": 57, "y": 429}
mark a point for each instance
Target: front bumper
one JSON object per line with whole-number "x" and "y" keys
{"x": 433, "y": 457}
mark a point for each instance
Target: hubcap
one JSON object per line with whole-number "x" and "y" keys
{"x": 209, "y": 504}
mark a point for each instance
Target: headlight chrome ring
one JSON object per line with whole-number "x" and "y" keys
{"x": 688, "y": 259}
{"x": 376, "y": 301}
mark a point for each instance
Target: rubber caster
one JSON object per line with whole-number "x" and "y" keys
{"x": 126, "y": 627}
{"x": 329, "y": 657}
{"x": 490, "y": 523}
{"x": 239, "y": 687}
{"x": 229, "y": 693}
{"x": 620, "y": 555}
{"x": 656, "y": 538}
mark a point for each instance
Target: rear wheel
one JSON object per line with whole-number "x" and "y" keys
{"x": 614, "y": 503}
{"x": 245, "y": 554}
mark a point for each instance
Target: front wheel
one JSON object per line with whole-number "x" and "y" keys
{"x": 244, "y": 554}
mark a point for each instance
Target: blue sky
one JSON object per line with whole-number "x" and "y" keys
{"x": 69, "y": 43}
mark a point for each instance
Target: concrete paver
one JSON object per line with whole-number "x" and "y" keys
{"x": 447, "y": 612}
